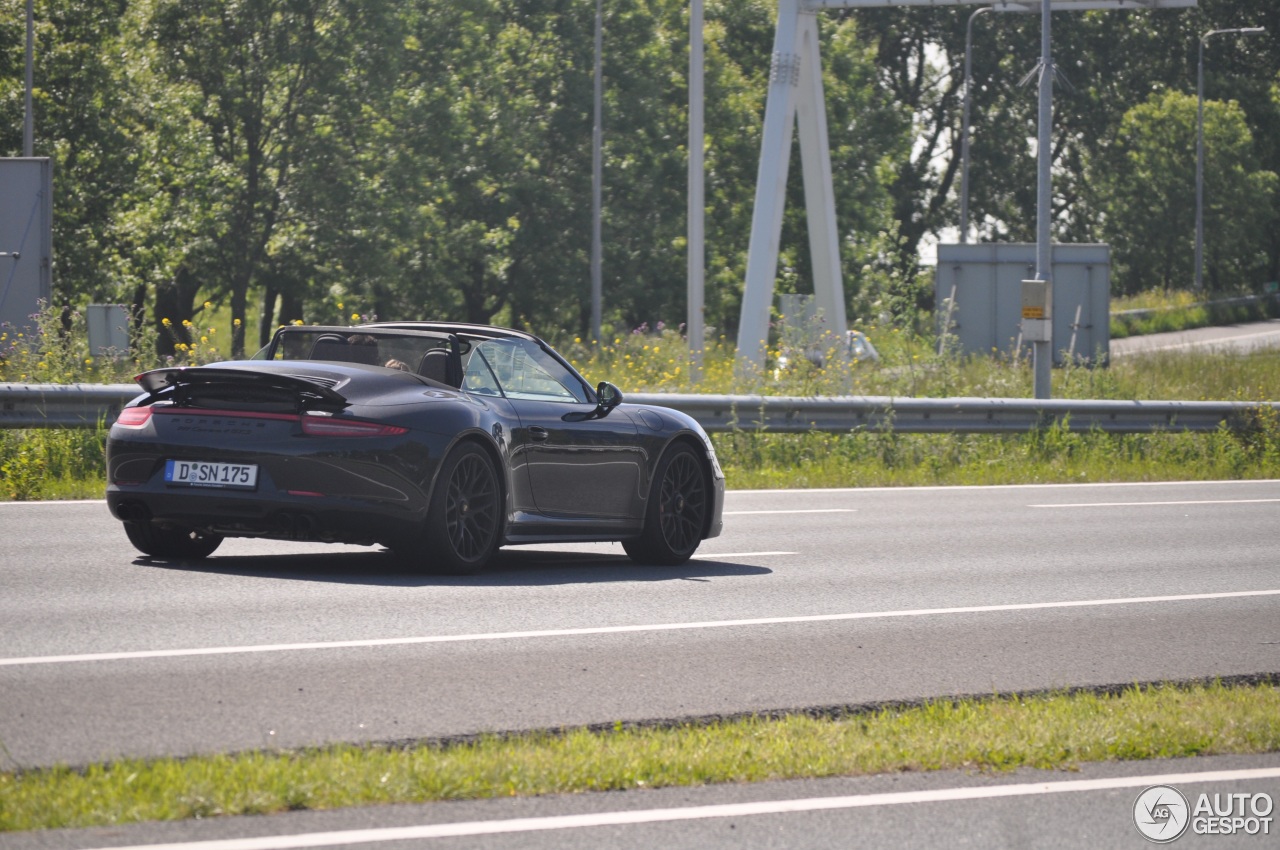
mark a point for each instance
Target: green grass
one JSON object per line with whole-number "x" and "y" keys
{"x": 1054, "y": 731}
{"x": 1053, "y": 455}
{"x": 52, "y": 463}
{"x": 911, "y": 366}
{"x": 1180, "y": 311}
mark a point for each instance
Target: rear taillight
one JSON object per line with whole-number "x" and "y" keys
{"x": 134, "y": 417}
{"x": 325, "y": 426}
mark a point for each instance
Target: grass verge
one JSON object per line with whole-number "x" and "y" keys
{"x": 1052, "y": 455}
{"x": 1160, "y": 312}
{"x": 1052, "y": 730}
{"x": 33, "y": 469}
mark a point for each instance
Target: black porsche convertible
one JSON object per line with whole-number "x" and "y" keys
{"x": 441, "y": 441}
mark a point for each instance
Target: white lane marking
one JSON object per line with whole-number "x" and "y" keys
{"x": 715, "y": 556}
{"x": 59, "y": 502}
{"x": 690, "y": 813}
{"x": 1148, "y": 504}
{"x": 614, "y": 630}
{"x": 799, "y": 511}
{"x": 944, "y": 487}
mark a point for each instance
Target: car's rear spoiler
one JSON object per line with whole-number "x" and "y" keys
{"x": 308, "y": 393}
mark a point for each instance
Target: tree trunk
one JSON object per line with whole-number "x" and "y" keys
{"x": 290, "y": 307}
{"x": 174, "y": 307}
{"x": 265, "y": 323}
{"x": 239, "y": 297}
{"x": 137, "y": 315}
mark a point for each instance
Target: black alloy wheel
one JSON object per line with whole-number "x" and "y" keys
{"x": 677, "y": 511}
{"x": 464, "y": 522}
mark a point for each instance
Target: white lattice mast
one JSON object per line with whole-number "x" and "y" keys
{"x": 796, "y": 97}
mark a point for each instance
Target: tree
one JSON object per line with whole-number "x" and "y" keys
{"x": 81, "y": 110}
{"x": 1147, "y": 188}
{"x": 260, "y": 66}
{"x": 917, "y": 55}
{"x": 1113, "y": 61}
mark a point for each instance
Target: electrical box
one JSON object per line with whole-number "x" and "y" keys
{"x": 1037, "y": 299}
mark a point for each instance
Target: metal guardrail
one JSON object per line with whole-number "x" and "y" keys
{"x": 85, "y": 405}
{"x": 62, "y": 405}
{"x": 958, "y": 415}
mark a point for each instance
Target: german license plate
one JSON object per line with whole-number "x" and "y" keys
{"x": 200, "y": 473}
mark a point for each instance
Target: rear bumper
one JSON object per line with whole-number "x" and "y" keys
{"x": 278, "y": 517}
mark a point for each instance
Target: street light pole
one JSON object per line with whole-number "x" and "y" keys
{"x": 964, "y": 138}
{"x": 1039, "y": 331}
{"x": 28, "y": 147}
{"x": 695, "y": 328}
{"x": 1200, "y": 145}
{"x": 597, "y": 179}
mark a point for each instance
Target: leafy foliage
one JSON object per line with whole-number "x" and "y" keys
{"x": 280, "y": 158}
{"x": 1150, "y": 195}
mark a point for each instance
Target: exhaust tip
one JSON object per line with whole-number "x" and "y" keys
{"x": 294, "y": 526}
{"x": 133, "y": 512}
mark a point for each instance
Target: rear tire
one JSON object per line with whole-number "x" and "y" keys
{"x": 678, "y": 503}
{"x": 171, "y": 542}
{"x": 464, "y": 522}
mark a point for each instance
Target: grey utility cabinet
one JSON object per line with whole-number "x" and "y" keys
{"x": 26, "y": 239}
{"x": 978, "y": 298}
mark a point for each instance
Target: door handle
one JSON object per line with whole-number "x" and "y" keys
{"x": 537, "y": 432}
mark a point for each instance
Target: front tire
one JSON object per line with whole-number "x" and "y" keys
{"x": 677, "y": 513}
{"x": 171, "y": 542}
{"x": 464, "y": 521}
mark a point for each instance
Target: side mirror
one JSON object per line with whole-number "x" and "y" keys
{"x": 607, "y": 398}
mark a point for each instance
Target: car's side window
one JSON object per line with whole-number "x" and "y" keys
{"x": 522, "y": 370}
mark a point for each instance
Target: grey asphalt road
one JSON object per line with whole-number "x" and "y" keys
{"x": 1249, "y": 336}
{"x": 811, "y": 598}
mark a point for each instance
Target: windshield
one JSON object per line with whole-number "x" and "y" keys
{"x": 518, "y": 368}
